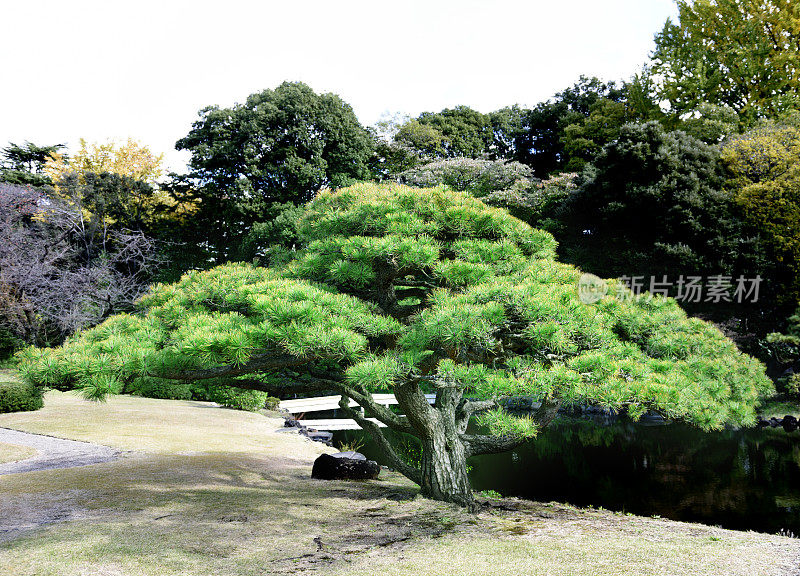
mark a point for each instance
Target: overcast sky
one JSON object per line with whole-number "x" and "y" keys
{"x": 142, "y": 69}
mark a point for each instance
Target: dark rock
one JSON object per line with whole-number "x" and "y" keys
{"x": 789, "y": 423}
{"x": 292, "y": 423}
{"x": 763, "y": 423}
{"x": 774, "y": 422}
{"x": 319, "y": 436}
{"x": 329, "y": 467}
{"x": 351, "y": 455}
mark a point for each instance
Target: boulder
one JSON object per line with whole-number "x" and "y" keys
{"x": 789, "y": 423}
{"x": 350, "y": 454}
{"x": 332, "y": 467}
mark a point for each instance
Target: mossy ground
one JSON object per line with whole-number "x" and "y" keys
{"x": 205, "y": 490}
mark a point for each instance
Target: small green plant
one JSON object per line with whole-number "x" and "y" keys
{"x": 18, "y": 396}
{"x": 353, "y": 445}
{"x": 493, "y": 494}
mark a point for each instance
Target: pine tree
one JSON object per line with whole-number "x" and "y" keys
{"x": 415, "y": 291}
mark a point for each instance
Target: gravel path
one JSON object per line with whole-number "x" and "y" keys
{"x": 53, "y": 452}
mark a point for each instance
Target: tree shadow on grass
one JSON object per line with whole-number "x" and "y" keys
{"x": 211, "y": 507}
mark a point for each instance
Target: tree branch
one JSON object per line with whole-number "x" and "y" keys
{"x": 380, "y": 412}
{"x": 547, "y": 411}
{"x": 374, "y": 430}
{"x": 467, "y": 408}
{"x": 483, "y": 444}
{"x": 257, "y": 363}
{"x": 476, "y": 444}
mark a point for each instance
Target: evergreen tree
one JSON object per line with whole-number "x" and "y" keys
{"x": 415, "y": 291}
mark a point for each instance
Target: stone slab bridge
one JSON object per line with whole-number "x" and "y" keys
{"x": 324, "y": 403}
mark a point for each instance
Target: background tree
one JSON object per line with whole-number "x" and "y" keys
{"x": 25, "y": 164}
{"x": 507, "y": 125}
{"x": 783, "y": 352}
{"x": 539, "y": 135}
{"x": 278, "y": 146}
{"x": 544, "y": 204}
{"x": 132, "y": 160}
{"x": 424, "y": 141}
{"x": 765, "y": 168}
{"x": 743, "y": 54}
{"x": 653, "y": 201}
{"x": 584, "y": 139}
{"x": 60, "y": 271}
{"x": 478, "y": 177}
{"x": 465, "y": 132}
{"x": 418, "y": 290}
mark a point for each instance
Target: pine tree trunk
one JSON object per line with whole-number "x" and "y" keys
{"x": 443, "y": 470}
{"x": 444, "y": 467}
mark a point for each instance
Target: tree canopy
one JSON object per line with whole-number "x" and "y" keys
{"x": 278, "y": 146}
{"x": 416, "y": 290}
{"x": 25, "y": 163}
{"x": 765, "y": 167}
{"x": 656, "y": 197}
{"x": 743, "y": 54}
{"x": 130, "y": 159}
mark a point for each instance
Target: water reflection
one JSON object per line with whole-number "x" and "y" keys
{"x": 741, "y": 479}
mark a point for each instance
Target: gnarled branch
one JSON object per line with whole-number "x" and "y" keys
{"x": 382, "y": 413}
{"x": 476, "y": 444}
{"x": 374, "y": 430}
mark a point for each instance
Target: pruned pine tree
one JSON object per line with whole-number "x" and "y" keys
{"x": 415, "y": 291}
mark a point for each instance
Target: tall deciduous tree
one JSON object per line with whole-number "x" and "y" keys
{"x": 744, "y": 54}
{"x": 280, "y": 145}
{"x": 765, "y": 164}
{"x": 62, "y": 270}
{"x": 131, "y": 159}
{"x": 416, "y": 291}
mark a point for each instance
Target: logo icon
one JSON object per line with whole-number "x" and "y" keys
{"x": 591, "y": 288}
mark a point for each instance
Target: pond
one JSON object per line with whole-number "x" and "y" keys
{"x": 741, "y": 479}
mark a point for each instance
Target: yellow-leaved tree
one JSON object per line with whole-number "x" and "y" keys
{"x": 765, "y": 165}
{"x": 130, "y": 158}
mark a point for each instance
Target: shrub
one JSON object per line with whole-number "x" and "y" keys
{"x": 237, "y": 398}
{"x": 19, "y": 397}
{"x": 478, "y": 177}
{"x": 159, "y": 388}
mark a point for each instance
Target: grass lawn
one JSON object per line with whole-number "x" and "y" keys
{"x": 203, "y": 490}
{"x": 12, "y": 452}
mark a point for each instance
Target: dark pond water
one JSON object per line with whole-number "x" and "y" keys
{"x": 740, "y": 479}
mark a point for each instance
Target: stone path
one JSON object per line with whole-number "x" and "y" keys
{"x": 53, "y": 452}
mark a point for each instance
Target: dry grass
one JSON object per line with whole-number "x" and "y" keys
{"x": 163, "y": 426}
{"x": 552, "y": 539}
{"x": 211, "y": 491}
{"x": 12, "y": 452}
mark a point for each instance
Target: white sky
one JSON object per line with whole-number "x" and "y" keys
{"x": 143, "y": 68}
